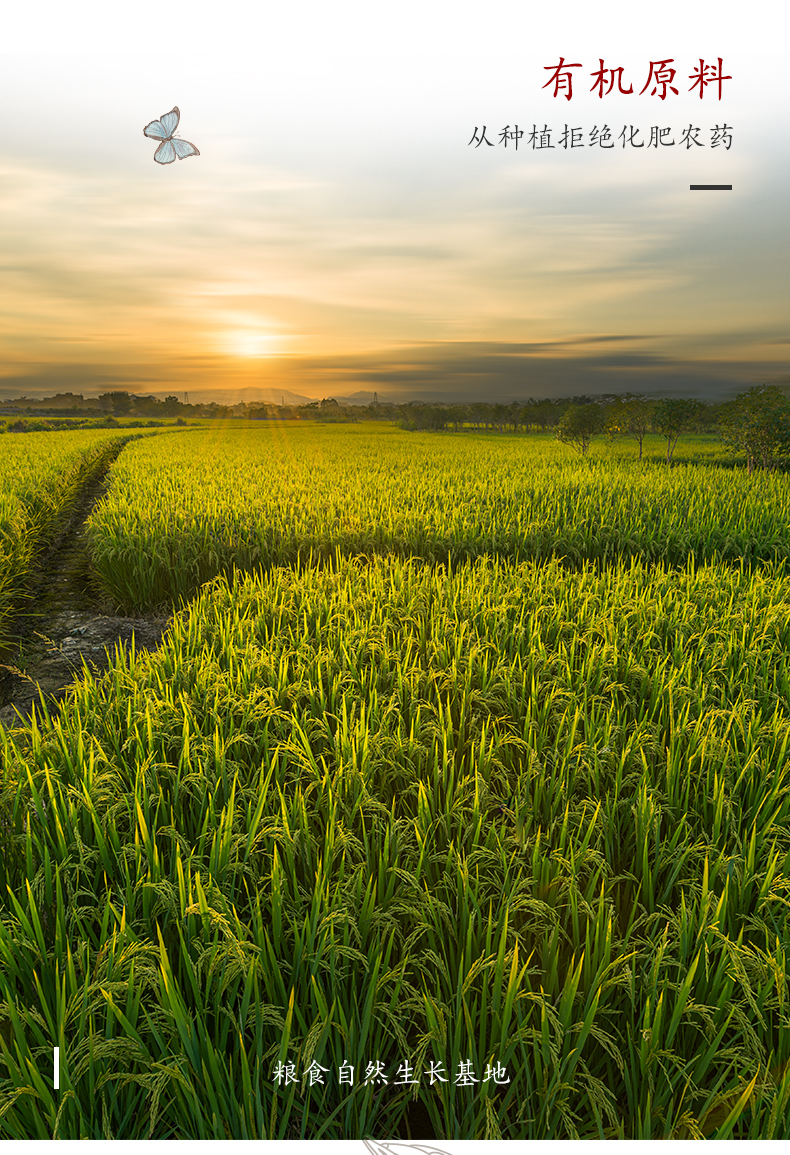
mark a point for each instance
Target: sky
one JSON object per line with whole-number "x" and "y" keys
{"x": 344, "y": 231}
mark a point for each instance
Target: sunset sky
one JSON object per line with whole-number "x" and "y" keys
{"x": 338, "y": 233}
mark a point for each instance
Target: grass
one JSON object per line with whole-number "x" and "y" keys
{"x": 248, "y": 498}
{"x": 382, "y": 809}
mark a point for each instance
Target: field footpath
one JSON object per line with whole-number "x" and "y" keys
{"x": 65, "y": 622}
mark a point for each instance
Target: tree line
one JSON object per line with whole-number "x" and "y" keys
{"x": 756, "y": 423}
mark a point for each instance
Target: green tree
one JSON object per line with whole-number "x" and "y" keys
{"x": 500, "y": 416}
{"x": 579, "y": 424}
{"x": 544, "y": 414}
{"x": 673, "y": 416}
{"x": 478, "y": 412}
{"x": 757, "y": 423}
{"x": 484, "y": 414}
{"x": 709, "y": 418}
{"x": 458, "y": 414}
{"x": 119, "y": 401}
{"x": 630, "y": 416}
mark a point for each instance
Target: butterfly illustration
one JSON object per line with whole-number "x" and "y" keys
{"x": 378, "y": 1148}
{"x": 170, "y": 148}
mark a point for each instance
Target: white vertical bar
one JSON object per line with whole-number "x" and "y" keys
{"x": 56, "y": 1072}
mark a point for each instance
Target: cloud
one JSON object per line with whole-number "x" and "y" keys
{"x": 434, "y": 371}
{"x": 330, "y": 242}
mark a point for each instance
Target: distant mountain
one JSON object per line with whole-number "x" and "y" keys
{"x": 250, "y": 394}
{"x": 363, "y": 397}
{"x": 268, "y": 396}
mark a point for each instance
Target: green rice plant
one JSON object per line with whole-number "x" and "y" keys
{"x": 505, "y": 819}
{"x": 245, "y": 498}
{"x": 40, "y": 477}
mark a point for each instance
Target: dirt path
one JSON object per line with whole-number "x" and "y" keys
{"x": 67, "y": 623}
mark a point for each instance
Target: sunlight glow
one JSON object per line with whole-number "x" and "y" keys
{"x": 249, "y": 343}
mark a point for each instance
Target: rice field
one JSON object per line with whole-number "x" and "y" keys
{"x": 40, "y": 476}
{"x": 267, "y": 496}
{"x": 412, "y": 801}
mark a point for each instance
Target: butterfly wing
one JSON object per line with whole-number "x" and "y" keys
{"x": 165, "y": 154}
{"x": 184, "y": 148}
{"x": 156, "y": 130}
{"x": 378, "y": 1148}
{"x": 170, "y": 120}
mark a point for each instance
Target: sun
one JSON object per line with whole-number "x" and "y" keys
{"x": 250, "y": 343}
{"x": 245, "y": 334}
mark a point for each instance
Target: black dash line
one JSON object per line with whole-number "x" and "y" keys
{"x": 728, "y": 187}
